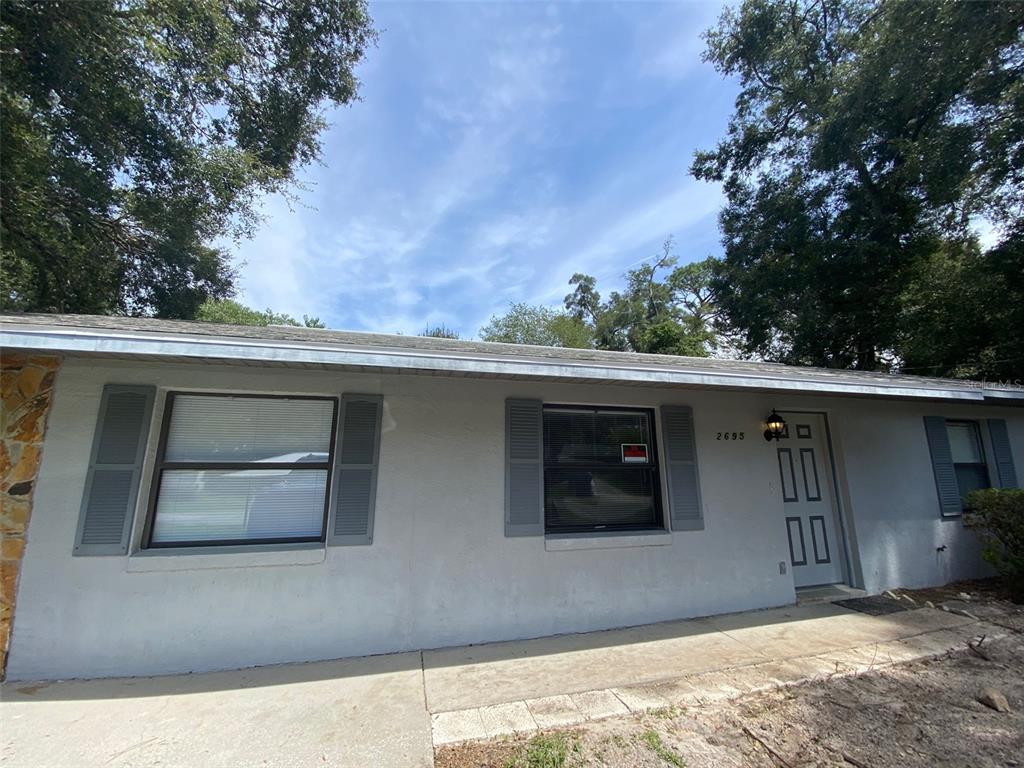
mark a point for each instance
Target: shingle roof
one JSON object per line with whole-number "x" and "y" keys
{"x": 134, "y": 336}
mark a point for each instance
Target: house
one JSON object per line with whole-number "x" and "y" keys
{"x": 185, "y": 496}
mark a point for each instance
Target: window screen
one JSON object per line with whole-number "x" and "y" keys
{"x": 600, "y": 470}
{"x": 242, "y": 470}
{"x": 968, "y": 456}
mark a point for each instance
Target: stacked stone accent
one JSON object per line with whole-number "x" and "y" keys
{"x": 26, "y": 384}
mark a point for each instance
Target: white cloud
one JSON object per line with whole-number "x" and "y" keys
{"x": 458, "y": 185}
{"x": 672, "y": 42}
{"x": 274, "y": 263}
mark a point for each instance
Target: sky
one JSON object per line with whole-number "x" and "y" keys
{"x": 497, "y": 149}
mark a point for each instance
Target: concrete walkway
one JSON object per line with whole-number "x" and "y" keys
{"x": 357, "y": 712}
{"x": 393, "y": 710}
{"x": 504, "y": 688}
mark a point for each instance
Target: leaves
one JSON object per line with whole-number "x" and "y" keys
{"x": 231, "y": 312}
{"x": 866, "y": 135}
{"x": 440, "y": 332}
{"x": 540, "y": 326}
{"x": 137, "y": 135}
{"x": 962, "y": 314}
{"x": 676, "y": 315}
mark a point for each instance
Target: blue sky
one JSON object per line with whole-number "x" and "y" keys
{"x": 498, "y": 148}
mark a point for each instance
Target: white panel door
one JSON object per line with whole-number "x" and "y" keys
{"x": 805, "y": 470}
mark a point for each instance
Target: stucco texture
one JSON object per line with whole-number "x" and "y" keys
{"x": 440, "y": 571}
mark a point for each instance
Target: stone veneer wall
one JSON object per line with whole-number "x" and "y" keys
{"x": 26, "y": 385}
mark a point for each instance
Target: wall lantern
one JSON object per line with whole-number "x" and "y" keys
{"x": 776, "y": 426}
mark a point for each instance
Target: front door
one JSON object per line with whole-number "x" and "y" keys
{"x": 805, "y": 469}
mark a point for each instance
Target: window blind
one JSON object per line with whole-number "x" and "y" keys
{"x": 243, "y": 469}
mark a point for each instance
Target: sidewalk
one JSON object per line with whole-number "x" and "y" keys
{"x": 352, "y": 713}
{"x": 393, "y": 710}
{"x": 504, "y": 688}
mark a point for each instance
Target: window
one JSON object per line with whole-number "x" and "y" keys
{"x": 600, "y": 470}
{"x": 242, "y": 470}
{"x": 968, "y": 456}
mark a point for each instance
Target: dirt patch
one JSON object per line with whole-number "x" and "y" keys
{"x": 923, "y": 713}
{"x": 987, "y": 599}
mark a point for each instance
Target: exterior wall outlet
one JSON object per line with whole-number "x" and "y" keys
{"x": 782, "y": 567}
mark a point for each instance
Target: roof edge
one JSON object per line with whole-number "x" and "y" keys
{"x": 135, "y": 343}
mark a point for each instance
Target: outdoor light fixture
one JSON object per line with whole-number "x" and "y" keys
{"x": 776, "y": 426}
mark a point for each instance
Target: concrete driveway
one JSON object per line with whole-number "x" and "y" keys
{"x": 391, "y": 710}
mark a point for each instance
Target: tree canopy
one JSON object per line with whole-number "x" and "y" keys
{"x": 441, "y": 331}
{"x": 673, "y": 315}
{"x": 963, "y": 314}
{"x": 139, "y": 135}
{"x": 867, "y": 137}
{"x": 540, "y": 326}
{"x": 232, "y": 312}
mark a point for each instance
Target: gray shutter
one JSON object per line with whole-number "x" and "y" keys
{"x": 685, "y": 510}
{"x": 942, "y": 465}
{"x": 1002, "y": 453}
{"x": 524, "y": 468}
{"x": 355, "y": 470}
{"x": 115, "y": 468}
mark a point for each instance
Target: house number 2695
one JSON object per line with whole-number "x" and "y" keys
{"x": 730, "y": 436}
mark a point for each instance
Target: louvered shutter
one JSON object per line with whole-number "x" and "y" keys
{"x": 1002, "y": 453}
{"x": 942, "y": 465}
{"x": 355, "y": 470}
{"x": 524, "y": 468}
{"x": 686, "y": 512}
{"x": 115, "y": 468}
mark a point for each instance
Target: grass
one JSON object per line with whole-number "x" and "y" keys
{"x": 548, "y": 750}
{"x": 652, "y": 739}
{"x": 665, "y": 713}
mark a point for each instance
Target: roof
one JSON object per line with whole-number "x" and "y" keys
{"x": 191, "y": 341}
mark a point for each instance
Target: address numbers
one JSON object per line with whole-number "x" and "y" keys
{"x": 730, "y": 436}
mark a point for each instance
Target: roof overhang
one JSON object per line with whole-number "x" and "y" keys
{"x": 205, "y": 348}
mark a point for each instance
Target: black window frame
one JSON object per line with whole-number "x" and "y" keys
{"x": 976, "y": 426}
{"x": 653, "y": 466}
{"x": 161, "y": 464}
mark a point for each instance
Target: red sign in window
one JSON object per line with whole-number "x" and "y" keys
{"x": 634, "y": 453}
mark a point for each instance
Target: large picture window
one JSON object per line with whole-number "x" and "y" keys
{"x": 968, "y": 456}
{"x": 242, "y": 470}
{"x": 600, "y": 470}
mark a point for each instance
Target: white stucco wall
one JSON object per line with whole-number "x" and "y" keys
{"x": 440, "y": 570}
{"x": 893, "y": 495}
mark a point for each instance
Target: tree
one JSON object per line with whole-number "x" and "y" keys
{"x": 137, "y": 134}
{"x": 231, "y": 312}
{"x": 677, "y": 315}
{"x": 540, "y": 326}
{"x": 440, "y": 332}
{"x": 963, "y": 315}
{"x": 865, "y": 136}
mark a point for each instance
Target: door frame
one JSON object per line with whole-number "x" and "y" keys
{"x": 849, "y": 562}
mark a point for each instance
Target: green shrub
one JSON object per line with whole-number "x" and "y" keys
{"x": 998, "y": 516}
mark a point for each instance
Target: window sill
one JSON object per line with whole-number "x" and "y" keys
{"x": 568, "y": 542}
{"x": 203, "y": 558}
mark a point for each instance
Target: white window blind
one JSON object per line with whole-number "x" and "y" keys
{"x": 248, "y": 429}
{"x": 237, "y": 470}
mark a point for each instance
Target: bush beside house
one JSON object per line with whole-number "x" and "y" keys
{"x": 998, "y": 516}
